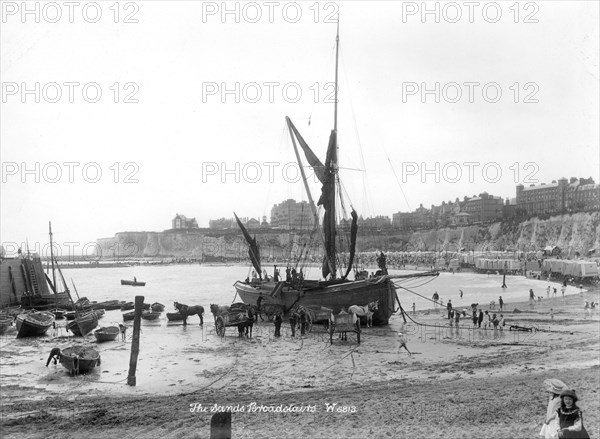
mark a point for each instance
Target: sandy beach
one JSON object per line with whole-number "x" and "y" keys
{"x": 473, "y": 383}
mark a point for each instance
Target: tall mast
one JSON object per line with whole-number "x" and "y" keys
{"x": 52, "y": 254}
{"x": 337, "y": 48}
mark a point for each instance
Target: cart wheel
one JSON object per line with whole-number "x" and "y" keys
{"x": 220, "y": 327}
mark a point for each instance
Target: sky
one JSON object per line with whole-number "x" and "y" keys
{"x": 117, "y": 116}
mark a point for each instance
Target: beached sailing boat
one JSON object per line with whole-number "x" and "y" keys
{"x": 336, "y": 291}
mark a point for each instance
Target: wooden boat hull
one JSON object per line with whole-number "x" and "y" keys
{"x": 34, "y": 324}
{"x": 174, "y": 317}
{"x": 108, "y": 333}
{"x": 150, "y": 315}
{"x": 335, "y": 295}
{"x": 128, "y": 316}
{"x": 132, "y": 283}
{"x": 58, "y": 313}
{"x": 78, "y": 359}
{"x": 81, "y": 326}
{"x": 157, "y": 307}
{"x": 5, "y": 323}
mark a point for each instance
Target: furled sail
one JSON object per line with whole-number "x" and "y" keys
{"x": 327, "y": 200}
{"x": 253, "y": 249}
{"x": 353, "y": 232}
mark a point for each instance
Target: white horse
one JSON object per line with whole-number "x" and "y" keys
{"x": 367, "y": 311}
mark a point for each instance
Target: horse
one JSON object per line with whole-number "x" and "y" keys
{"x": 299, "y": 311}
{"x": 245, "y": 328}
{"x": 218, "y": 309}
{"x": 366, "y": 311}
{"x": 186, "y": 311}
{"x": 270, "y": 309}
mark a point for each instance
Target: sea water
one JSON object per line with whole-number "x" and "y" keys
{"x": 173, "y": 356}
{"x": 203, "y": 284}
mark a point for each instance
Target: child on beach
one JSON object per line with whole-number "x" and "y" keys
{"x": 402, "y": 340}
{"x": 550, "y": 427}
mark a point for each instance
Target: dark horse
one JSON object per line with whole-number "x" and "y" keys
{"x": 245, "y": 328}
{"x": 186, "y": 311}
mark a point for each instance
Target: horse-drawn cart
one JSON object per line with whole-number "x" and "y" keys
{"x": 231, "y": 318}
{"x": 343, "y": 323}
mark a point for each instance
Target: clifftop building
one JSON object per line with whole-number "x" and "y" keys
{"x": 292, "y": 215}
{"x": 183, "y": 222}
{"x": 559, "y": 196}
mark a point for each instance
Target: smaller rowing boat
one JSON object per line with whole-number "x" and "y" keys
{"x": 128, "y": 316}
{"x": 34, "y": 323}
{"x": 58, "y": 313}
{"x": 149, "y": 315}
{"x": 133, "y": 283}
{"x": 106, "y": 333}
{"x": 157, "y": 307}
{"x": 127, "y": 306}
{"x": 78, "y": 359}
{"x": 5, "y": 322}
{"x": 174, "y": 317}
{"x": 83, "y": 324}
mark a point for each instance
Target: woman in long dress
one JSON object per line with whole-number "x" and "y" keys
{"x": 550, "y": 427}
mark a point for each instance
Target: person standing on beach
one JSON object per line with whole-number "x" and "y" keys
{"x": 293, "y": 323}
{"x": 501, "y": 303}
{"x": 562, "y": 290}
{"x": 414, "y": 308}
{"x": 402, "y": 339}
{"x": 548, "y": 292}
{"x": 554, "y": 292}
{"x": 554, "y": 388}
{"x": 487, "y": 320}
{"x": 457, "y": 321}
{"x": 278, "y": 320}
{"x": 586, "y": 310}
{"x": 501, "y": 322}
{"x": 480, "y": 319}
{"x": 570, "y": 417}
{"x": 474, "y": 318}
{"x": 449, "y": 308}
{"x": 435, "y": 298}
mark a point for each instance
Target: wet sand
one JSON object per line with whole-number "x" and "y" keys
{"x": 472, "y": 384}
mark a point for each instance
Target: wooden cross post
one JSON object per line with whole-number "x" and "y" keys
{"x": 135, "y": 342}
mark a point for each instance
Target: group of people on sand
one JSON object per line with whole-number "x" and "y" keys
{"x": 563, "y": 418}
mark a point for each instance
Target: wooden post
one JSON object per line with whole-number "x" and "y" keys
{"x": 135, "y": 342}
{"x": 220, "y": 426}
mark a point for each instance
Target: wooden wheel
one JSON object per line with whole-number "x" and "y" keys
{"x": 220, "y": 326}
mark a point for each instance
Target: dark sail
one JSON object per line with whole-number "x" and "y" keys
{"x": 253, "y": 250}
{"x": 312, "y": 159}
{"x": 353, "y": 231}
{"x": 327, "y": 200}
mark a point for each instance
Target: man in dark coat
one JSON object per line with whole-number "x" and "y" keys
{"x": 449, "y": 308}
{"x": 278, "y": 321}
